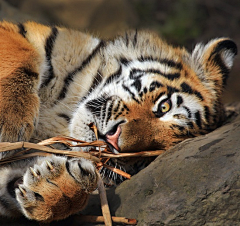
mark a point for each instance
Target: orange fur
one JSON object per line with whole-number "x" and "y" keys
{"x": 19, "y": 102}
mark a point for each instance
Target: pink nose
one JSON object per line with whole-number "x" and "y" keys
{"x": 113, "y": 138}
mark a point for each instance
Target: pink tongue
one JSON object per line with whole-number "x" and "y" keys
{"x": 113, "y": 139}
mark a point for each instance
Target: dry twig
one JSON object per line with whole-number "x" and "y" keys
{"x": 104, "y": 202}
{"x": 100, "y": 219}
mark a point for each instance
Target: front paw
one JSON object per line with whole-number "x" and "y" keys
{"x": 56, "y": 188}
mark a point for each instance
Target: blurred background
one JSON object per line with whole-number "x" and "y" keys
{"x": 180, "y": 22}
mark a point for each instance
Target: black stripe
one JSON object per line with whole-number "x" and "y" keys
{"x": 207, "y": 113}
{"x": 227, "y": 45}
{"x": 158, "y": 96}
{"x": 223, "y": 69}
{"x": 95, "y": 105}
{"x": 109, "y": 112}
{"x": 184, "y": 135}
{"x": 169, "y": 63}
{"x": 127, "y": 39}
{"x": 66, "y": 117}
{"x": 147, "y": 58}
{"x": 124, "y": 61}
{"x": 169, "y": 76}
{"x": 199, "y": 95}
{"x": 114, "y": 76}
{"x": 135, "y": 71}
{"x": 116, "y": 108}
{"x": 188, "y": 111}
{"x": 131, "y": 93}
{"x": 172, "y": 90}
{"x": 96, "y": 80}
{"x": 48, "y": 50}
{"x": 198, "y": 119}
{"x": 190, "y": 125}
{"x": 71, "y": 75}
{"x": 135, "y": 38}
{"x": 137, "y": 84}
{"x": 154, "y": 85}
{"x": 125, "y": 107}
{"x": 187, "y": 89}
{"x": 180, "y": 128}
{"x": 179, "y": 100}
{"x": 22, "y": 30}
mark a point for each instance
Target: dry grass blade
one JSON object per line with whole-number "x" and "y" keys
{"x": 6, "y": 146}
{"x": 104, "y": 203}
{"x": 118, "y": 171}
{"x": 69, "y": 142}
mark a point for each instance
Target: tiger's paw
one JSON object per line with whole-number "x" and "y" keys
{"x": 56, "y": 187}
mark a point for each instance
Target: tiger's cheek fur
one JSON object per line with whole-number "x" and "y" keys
{"x": 152, "y": 134}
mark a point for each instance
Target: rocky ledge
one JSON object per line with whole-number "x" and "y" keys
{"x": 195, "y": 183}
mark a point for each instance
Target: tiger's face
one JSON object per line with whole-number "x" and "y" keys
{"x": 151, "y": 96}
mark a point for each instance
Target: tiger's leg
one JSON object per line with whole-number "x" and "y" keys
{"x": 19, "y": 79}
{"x": 55, "y": 187}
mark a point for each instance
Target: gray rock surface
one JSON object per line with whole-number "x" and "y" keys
{"x": 195, "y": 183}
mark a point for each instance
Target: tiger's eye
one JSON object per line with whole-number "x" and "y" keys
{"x": 165, "y": 107}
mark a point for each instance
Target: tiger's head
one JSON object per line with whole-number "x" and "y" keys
{"x": 150, "y": 95}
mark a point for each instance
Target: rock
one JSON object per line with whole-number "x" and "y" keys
{"x": 195, "y": 183}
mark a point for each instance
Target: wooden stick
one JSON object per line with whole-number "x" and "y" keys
{"x": 100, "y": 219}
{"x": 134, "y": 154}
{"x": 104, "y": 203}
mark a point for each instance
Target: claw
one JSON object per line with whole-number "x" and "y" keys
{"x": 34, "y": 172}
{"x": 22, "y": 190}
{"x": 49, "y": 165}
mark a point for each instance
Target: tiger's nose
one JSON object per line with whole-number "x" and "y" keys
{"x": 112, "y": 137}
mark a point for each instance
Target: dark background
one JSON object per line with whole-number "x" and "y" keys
{"x": 181, "y": 22}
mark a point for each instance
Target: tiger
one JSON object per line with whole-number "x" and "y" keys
{"x": 141, "y": 93}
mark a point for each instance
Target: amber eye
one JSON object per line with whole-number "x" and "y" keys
{"x": 165, "y": 106}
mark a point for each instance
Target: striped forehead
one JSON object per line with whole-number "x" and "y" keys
{"x": 136, "y": 77}
{"x": 166, "y": 68}
{"x": 143, "y": 75}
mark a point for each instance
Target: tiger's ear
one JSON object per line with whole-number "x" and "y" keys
{"x": 213, "y": 61}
